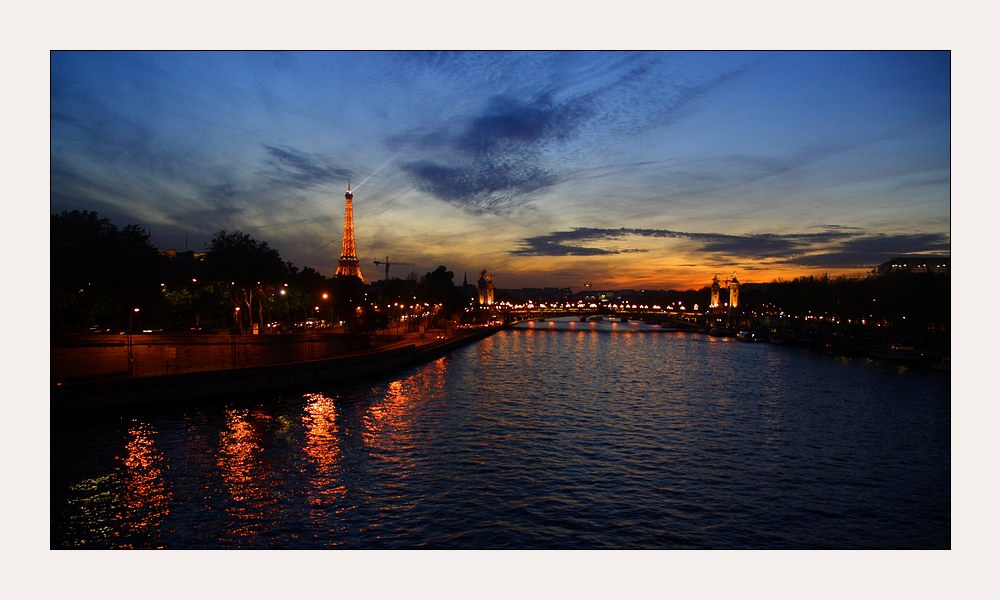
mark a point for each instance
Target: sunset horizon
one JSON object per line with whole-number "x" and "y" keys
{"x": 622, "y": 170}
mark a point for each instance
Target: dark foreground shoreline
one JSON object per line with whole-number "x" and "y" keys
{"x": 189, "y": 387}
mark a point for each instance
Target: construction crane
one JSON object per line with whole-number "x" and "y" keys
{"x": 389, "y": 264}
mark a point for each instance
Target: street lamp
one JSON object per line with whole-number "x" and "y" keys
{"x": 236, "y": 318}
{"x": 128, "y": 342}
{"x": 329, "y": 307}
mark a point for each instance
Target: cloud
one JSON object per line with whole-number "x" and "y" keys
{"x": 560, "y": 243}
{"x": 767, "y": 245}
{"x": 835, "y": 247}
{"x": 842, "y": 228}
{"x": 507, "y": 124}
{"x": 869, "y": 250}
{"x": 714, "y": 173}
{"x": 684, "y": 97}
{"x": 493, "y": 159}
{"x": 489, "y": 187}
{"x": 898, "y": 243}
{"x": 288, "y": 167}
{"x": 923, "y": 183}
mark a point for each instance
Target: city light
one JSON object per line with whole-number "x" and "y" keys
{"x": 659, "y": 392}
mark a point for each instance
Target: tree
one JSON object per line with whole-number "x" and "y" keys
{"x": 438, "y": 287}
{"x": 348, "y": 295}
{"x": 100, "y": 271}
{"x": 252, "y": 268}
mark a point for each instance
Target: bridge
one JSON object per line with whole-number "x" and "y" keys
{"x": 675, "y": 317}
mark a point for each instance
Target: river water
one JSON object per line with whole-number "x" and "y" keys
{"x": 575, "y": 437}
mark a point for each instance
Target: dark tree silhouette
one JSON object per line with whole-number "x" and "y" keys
{"x": 252, "y": 268}
{"x": 100, "y": 272}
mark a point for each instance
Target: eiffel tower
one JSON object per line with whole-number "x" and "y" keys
{"x": 348, "y": 263}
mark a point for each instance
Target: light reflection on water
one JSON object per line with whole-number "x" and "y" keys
{"x": 147, "y": 495}
{"x": 126, "y": 507}
{"x": 327, "y": 489}
{"x": 532, "y": 439}
{"x": 246, "y": 475}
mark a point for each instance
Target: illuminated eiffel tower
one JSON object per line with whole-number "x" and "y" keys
{"x": 348, "y": 263}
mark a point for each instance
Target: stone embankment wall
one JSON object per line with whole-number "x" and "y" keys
{"x": 107, "y": 356}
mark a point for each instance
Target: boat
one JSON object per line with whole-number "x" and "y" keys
{"x": 899, "y": 354}
{"x": 808, "y": 339}
{"x": 783, "y": 338}
{"x": 759, "y": 334}
{"x": 847, "y": 344}
{"x": 722, "y": 332}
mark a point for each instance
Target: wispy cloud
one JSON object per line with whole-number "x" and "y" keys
{"x": 868, "y": 250}
{"x": 493, "y": 159}
{"x": 290, "y": 167}
{"x": 490, "y": 187}
{"x": 834, "y": 247}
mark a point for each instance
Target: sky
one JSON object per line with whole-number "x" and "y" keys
{"x": 644, "y": 170}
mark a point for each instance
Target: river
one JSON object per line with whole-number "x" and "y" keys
{"x": 577, "y": 437}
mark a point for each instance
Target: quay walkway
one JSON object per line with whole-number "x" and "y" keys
{"x": 212, "y": 385}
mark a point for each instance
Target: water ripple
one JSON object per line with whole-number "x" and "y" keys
{"x": 533, "y": 439}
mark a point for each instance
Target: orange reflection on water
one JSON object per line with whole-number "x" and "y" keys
{"x": 390, "y": 412}
{"x": 245, "y": 474}
{"x": 145, "y": 496}
{"x": 323, "y": 447}
{"x": 390, "y": 428}
{"x": 387, "y": 422}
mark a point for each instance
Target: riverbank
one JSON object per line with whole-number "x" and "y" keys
{"x": 528, "y": 440}
{"x": 224, "y": 383}
{"x": 927, "y": 349}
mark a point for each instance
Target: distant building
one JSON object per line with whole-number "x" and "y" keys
{"x": 602, "y": 296}
{"x": 916, "y": 264}
{"x": 186, "y": 255}
{"x": 181, "y": 266}
{"x": 485, "y": 289}
{"x": 733, "y": 285}
{"x": 468, "y": 290}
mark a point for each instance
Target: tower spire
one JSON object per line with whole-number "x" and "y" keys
{"x": 348, "y": 263}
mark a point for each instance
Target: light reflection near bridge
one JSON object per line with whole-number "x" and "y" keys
{"x": 591, "y": 326}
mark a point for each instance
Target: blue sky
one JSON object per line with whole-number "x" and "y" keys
{"x": 623, "y": 169}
